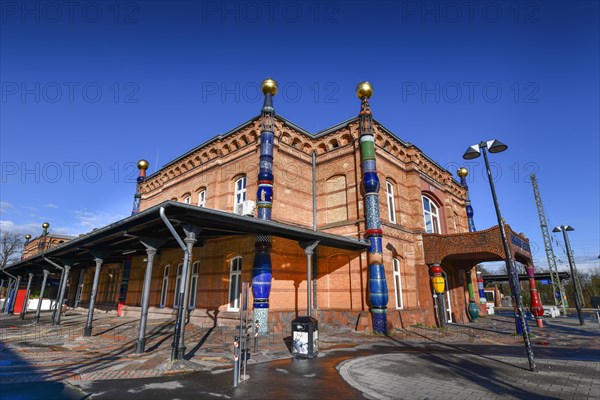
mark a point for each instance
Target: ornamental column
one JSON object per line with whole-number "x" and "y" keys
{"x": 439, "y": 287}
{"x": 536, "y": 305}
{"x": 378, "y": 293}
{"x": 137, "y": 198}
{"x": 261, "y": 270}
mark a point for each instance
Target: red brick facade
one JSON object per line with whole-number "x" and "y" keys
{"x": 340, "y": 277}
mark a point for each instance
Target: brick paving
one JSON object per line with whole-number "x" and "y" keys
{"x": 33, "y": 353}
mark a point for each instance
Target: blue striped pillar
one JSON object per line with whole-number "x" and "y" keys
{"x": 261, "y": 270}
{"x": 137, "y": 199}
{"x": 378, "y": 293}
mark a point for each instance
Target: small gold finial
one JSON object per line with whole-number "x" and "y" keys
{"x": 143, "y": 164}
{"x": 45, "y": 225}
{"x": 462, "y": 172}
{"x": 27, "y": 237}
{"x": 364, "y": 89}
{"x": 269, "y": 86}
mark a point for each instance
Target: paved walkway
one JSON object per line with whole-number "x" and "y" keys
{"x": 482, "y": 360}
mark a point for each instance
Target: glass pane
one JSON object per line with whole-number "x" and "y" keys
{"x": 428, "y": 227}
{"x": 426, "y": 204}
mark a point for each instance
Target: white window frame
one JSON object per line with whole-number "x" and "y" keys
{"x": 397, "y": 283}
{"x": 194, "y": 285}
{"x": 202, "y": 198}
{"x": 432, "y": 215}
{"x": 389, "y": 189}
{"x": 177, "y": 283}
{"x": 164, "y": 287}
{"x": 187, "y": 199}
{"x": 235, "y": 285}
{"x": 239, "y": 194}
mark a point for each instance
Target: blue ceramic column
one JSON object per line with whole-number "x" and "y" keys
{"x": 137, "y": 199}
{"x": 378, "y": 292}
{"x": 261, "y": 271}
{"x": 462, "y": 173}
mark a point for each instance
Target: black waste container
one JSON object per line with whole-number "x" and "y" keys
{"x": 305, "y": 337}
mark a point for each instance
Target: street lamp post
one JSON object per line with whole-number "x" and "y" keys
{"x": 564, "y": 229}
{"x": 495, "y": 146}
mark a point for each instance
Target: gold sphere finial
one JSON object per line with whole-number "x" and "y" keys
{"x": 462, "y": 172}
{"x": 27, "y": 237}
{"x": 143, "y": 164}
{"x": 269, "y": 86}
{"x": 45, "y": 225}
{"x": 364, "y": 89}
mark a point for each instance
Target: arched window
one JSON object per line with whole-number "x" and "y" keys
{"x": 389, "y": 189}
{"x": 431, "y": 216}
{"x": 187, "y": 199}
{"x": 164, "y": 287}
{"x": 397, "y": 283}
{"x": 177, "y": 284}
{"x": 239, "y": 192}
{"x": 194, "y": 285}
{"x": 235, "y": 276}
{"x": 202, "y": 198}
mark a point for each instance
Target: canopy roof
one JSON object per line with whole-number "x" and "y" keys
{"x": 122, "y": 237}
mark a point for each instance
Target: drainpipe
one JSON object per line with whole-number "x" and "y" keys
{"x": 39, "y": 306}
{"x": 63, "y": 286}
{"x": 178, "y": 337}
{"x": 314, "y": 189}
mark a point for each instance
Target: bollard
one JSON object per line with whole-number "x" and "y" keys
{"x": 236, "y": 361}
{"x": 256, "y": 327}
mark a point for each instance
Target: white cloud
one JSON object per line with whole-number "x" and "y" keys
{"x": 5, "y": 206}
{"x": 90, "y": 220}
{"x": 32, "y": 228}
{"x": 50, "y": 205}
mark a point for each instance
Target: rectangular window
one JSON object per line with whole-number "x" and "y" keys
{"x": 397, "y": 284}
{"x": 194, "y": 285}
{"x": 235, "y": 275}
{"x": 164, "y": 287}
{"x": 177, "y": 284}
{"x": 390, "y": 202}
{"x": 240, "y": 192}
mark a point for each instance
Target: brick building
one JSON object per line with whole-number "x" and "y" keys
{"x": 317, "y": 193}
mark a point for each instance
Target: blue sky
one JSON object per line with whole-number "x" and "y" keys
{"x": 88, "y": 88}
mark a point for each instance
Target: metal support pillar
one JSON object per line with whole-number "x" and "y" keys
{"x": 151, "y": 250}
{"x": 13, "y": 298}
{"x": 309, "y": 249}
{"x": 87, "y": 331}
{"x": 61, "y": 297}
{"x": 63, "y": 286}
{"x": 27, "y": 292}
{"x": 6, "y": 296}
{"x": 179, "y": 337}
{"x": 36, "y": 318}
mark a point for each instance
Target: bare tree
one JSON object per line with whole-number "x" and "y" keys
{"x": 11, "y": 247}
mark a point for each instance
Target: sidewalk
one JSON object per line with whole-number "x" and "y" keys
{"x": 480, "y": 360}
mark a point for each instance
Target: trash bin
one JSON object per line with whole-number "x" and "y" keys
{"x": 305, "y": 337}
